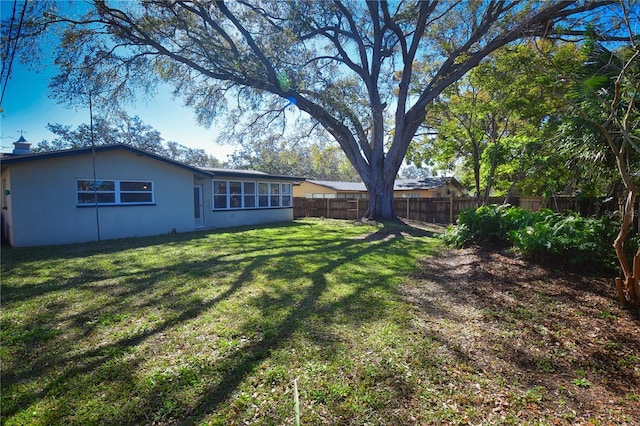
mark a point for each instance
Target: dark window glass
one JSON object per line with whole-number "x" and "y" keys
{"x": 135, "y": 197}
{"x": 249, "y": 201}
{"x": 103, "y": 198}
{"x": 101, "y": 185}
{"x": 219, "y": 201}
{"x": 135, "y": 186}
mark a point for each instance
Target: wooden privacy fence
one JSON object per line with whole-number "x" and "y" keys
{"x": 441, "y": 210}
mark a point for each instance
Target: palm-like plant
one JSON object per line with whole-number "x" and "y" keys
{"x": 607, "y": 96}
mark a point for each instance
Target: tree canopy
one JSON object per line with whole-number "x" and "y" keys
{"x": 123, "y": 129}
{"x": 497, "y": 126}
{"x": 348, "y": 65}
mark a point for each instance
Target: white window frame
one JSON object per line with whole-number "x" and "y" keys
{"x": 117, "y": 192}
{"x": 220, "y": 194}
{"x": 285, "y": 194}
{"x": 266, "y": 195}
{"x": 263, "y": 194}
{"x": 253, "y": 195}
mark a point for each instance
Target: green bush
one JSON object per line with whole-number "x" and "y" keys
{"x": 487, "y": 225}
{"x": 544, "y": 235}
{"x": 578, "y": 240}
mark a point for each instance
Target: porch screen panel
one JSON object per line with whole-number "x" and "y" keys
{"x": 235, "y": 195}
{"x": 263, "y": 194}
{"x": 220, "y": 194}
{"x": 275, "y": 194}
{"x": 249, "y": 195}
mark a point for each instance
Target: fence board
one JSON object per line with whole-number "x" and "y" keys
{"x": 445, "y": 210}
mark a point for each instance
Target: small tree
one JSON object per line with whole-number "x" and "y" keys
{"x": 606, "y": 98}
{"x": 487, "y": 122}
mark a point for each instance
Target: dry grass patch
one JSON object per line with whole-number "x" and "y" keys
{"x": 528, "y": 344}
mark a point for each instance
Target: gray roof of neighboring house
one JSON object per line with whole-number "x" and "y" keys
{"x": 340, "y": 186}
{"x": 424, "y": 183}
{"x": 399, "y": 185}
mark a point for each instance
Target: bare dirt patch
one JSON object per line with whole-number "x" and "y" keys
{"x": 538, "y": 344}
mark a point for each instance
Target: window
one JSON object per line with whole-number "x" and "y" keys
{"x": 135, "y": 192}
{"x": 350, "y": 195}
{"x": 250, "y": 195}
{"x": 220, "y": 194}
{"x": 263, "y": 194}
{"x": 113, "y": 192}
{"x": 275, "y": 194}
{"x": 235, "y": 195}
{"x": 286, "y": 194}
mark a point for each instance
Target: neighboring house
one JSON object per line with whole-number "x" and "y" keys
{"x": 117, "y": 191}
{"x": 407, "y": 188}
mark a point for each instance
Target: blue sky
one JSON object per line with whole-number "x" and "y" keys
{"x": 28, "y": 108}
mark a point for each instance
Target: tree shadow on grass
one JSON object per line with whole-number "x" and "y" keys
{"x": 246, "y": 359}
{"x": 51, "y": 357}
{"x": 38, "y": 341}
{"x": 12, "y": 258}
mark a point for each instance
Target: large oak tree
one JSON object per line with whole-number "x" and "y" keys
{"x": 348, "y": 65}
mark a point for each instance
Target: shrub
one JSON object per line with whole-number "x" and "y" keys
{"x": 579, "y": 240}
{"x": 487, "y": 225}
{"x": 543, "y": 235}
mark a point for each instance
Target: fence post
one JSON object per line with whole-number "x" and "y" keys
{"x": 328, "y": 199}
{"x": 450, "y": 209}
{"x": 407, "y": 216}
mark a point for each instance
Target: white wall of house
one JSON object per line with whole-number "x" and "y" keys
{"x": 43, "y": 199}
{"x": 228, "y": 218}
{"x": 45, "y": 205}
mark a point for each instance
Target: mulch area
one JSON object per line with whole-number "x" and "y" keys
{"x": 544, "y": 343}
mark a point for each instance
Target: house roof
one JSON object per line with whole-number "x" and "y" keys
{"x": 23, "y": 158}
{"x": 205, "y": 171}
{"x": 399, "y": 185}
{"x": 424, "y": 183}
{"x": 340, "y": 186}
{"x": 237, "y": 173}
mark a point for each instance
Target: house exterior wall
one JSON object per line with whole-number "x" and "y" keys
{"x": 43, "y": 200}
{"x": 307, "y": 189}
{"x": 312, "y": 190}
{"x": 5, "y": 205}
{"x": 229, "y": 218}
{"x": 216, "y": 218}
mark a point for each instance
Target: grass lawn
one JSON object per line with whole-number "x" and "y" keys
{"x": 214, "y": 327}
{"x": 210, "y": 327}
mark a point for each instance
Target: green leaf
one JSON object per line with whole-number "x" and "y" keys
{"x": 596, "y": 82}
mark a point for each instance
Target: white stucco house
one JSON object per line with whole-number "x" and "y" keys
{"x": 117, "y": 191}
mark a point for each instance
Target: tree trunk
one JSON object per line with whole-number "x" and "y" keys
{"x": 628, "y": 285}
{"x": 476, "y": 172}
{"x": 381, "y": 198}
